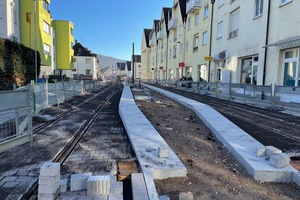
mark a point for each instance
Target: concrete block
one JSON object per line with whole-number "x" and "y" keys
{"x": 63, "y": 184}
{"x": 50, "y": 169}
{"x": 163, "y": 153}
{"x": 115, "y": 197}
{"x": 260, "y": 152}
{"x": 139, "y": 190}
{"x": 98, "y": 185}
{"x": 279, "y": 160}
{"x": 186, "y": 196}
{"x": 79, "y": 181}
{"x": 49, "y": 180}
{"x": 270, "y": 151}
{"x": 116, "y": 187}
{"x": 296, "y": 177}
{"x": 48, "y": 189}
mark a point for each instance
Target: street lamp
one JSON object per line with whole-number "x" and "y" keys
{"x": 35, "y": 51}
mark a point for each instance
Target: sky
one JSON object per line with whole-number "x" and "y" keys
{"x": 109, "y": 27}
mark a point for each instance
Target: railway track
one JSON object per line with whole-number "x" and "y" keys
{"x": 100, "y": 105}
{"x": 269, "y": 127}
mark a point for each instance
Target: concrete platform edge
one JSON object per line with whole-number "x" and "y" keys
{"x": 258, "y": 167}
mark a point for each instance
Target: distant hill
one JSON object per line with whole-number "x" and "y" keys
{"x": 107, "y": 61}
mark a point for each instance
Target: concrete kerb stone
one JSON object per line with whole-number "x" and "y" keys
{"x": 79, "y": 181}
{"x": 146, "y": 142}
{"x": 231, "y": 136}
{"x": 139, "y": 189}
{"x": 98, "y": 185}
{"x": 50, "y": 169}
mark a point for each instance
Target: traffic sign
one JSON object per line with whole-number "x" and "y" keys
{"x": 208, "y": 58}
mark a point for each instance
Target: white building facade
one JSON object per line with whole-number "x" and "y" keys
{"x": 249, "y": 42}
{"x": 9, "y": 19}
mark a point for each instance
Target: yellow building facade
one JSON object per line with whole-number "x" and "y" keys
{"x": 64, "y": 44}
{"x": 35, "y": 21}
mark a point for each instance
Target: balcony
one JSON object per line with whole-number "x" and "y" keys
{"x": 173, "y": 23}
{"x": 160, "y": 35}
{"x": 192, "y": 6}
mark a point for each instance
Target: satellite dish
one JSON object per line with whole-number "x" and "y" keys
{"x": 222, "y": 55}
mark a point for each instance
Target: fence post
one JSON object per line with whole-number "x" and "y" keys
{"x": 82, "y": 87}
{"x": 74, "y": 87}
{"x": 273, "y": 92}
{"x": 29, "y": 98}
{"x": 229, "y": 92}
{"x": 63, "y": 88}
{"x": 34, "y": 98}
{"x": 244, "y": 87}
{"x": 57, "y": 94}
{"x": 47, "y": 93}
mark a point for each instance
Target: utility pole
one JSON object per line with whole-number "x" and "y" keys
{"x": 210, "y": 38}
{"x": 133, "y": 59}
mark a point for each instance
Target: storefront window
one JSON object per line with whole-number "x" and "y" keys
{"x": 249, "y": 70}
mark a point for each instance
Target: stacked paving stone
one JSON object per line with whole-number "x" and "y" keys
{"x": 49, "y": 181}
{"x": 103, "y": 186}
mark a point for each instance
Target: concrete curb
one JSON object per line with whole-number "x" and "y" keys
{"x": 146, "y": 142}
{"x": 238, "y": 142}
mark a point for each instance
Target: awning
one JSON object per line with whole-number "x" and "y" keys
{"x": 287, "y": 43}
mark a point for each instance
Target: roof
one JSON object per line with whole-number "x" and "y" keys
{"x": 182, "y": 4}
{"x": 147, "y": 33}
{"x": 165, "y": 13}
{"x": 128, "y": 63}
{"x": 137, "y": 58}
{"x": 121, "y": 65}
{"x": 80, "y": 50}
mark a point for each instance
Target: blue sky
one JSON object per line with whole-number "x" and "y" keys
{"x": 109, "y": 27}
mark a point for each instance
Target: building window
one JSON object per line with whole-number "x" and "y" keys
{"x": 170, "y": 53}
{"x": 46, "y": 27}
{"x": 196, "y": 18}
{"x": 206, "y": 11}
{"x": 204, "y": 38}
{"x": 189, "y": 23}
{"x": 283, "y": 2}
{"x": 46, "y": 49}
{"x": 181, "y": 47}
{"x": 249, "y": 70}
{"x": 196, "y": 42}
{"x": 46, "y": 5}
{"x": 88, "y": 72}
{"x": 88, "y": 61}
{"x": 291, "y": 71}
{"x": 258, "y": 7}
{"x": 220, "y": 30}
{"x": 15, "y": 17}
{"x": 1, "y": 11}
{"x": 234, "y": 23}
{"x": 174, "y": 51}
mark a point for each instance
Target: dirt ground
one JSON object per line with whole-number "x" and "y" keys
{"x": 213, "y": 173}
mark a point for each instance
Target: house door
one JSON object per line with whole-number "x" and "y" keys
{"x": 291, "y": 72}
{"x": 249, "y": 70}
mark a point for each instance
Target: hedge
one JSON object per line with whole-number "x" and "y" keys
{"x": 16, "y": 64}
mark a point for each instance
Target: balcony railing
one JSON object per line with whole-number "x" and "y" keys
{"x": 192, "y": 6}
{"x": 234, "y": 33}
{"x": 173, "y": 23}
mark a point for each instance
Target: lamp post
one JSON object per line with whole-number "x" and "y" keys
{"x": 35, "y": 51}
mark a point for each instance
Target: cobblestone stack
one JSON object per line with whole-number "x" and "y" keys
{"x": 49, "y": 181}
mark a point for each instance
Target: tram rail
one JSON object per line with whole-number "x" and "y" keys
{"x": 31, "y": 194}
